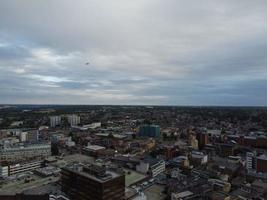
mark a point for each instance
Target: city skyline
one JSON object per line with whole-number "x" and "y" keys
{"x": 150, "y": 52}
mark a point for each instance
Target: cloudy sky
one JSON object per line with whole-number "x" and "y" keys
{"x": 166, "y": 52}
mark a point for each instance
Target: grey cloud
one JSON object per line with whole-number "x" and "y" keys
{"x": 147, "y": 52}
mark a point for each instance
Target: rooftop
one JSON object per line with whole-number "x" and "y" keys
{"x": 82, "y": 170}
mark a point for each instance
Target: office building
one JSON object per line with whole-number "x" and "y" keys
{"x": 193, "y": 142}
{"x": 151, "y": 166}
{"x": 24, "y": 152}
{"x": 24, "y": 167}
{"x": 8, "y": 170}
{"x": 32, "y": 136}
{"x": 261, "y": 163}
{"x": 3, "y": 171}
{"x": 74, "y": 120}
{"x": 203, "y": 140}
{"x": 92, "y": 182}
{"x": 250, "y": 161}
{"x": 55, "y": 121}
{"x": 23, "y": 136}
{"x": 256, "y": 163}
{"x": 149, "y": 131}
{"x": 93, "y": 150}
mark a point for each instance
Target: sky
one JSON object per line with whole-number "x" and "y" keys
{"x": 141, "y": 52}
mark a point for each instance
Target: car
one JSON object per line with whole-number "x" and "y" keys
{"x": 145, "y": 184}
{"x": 151, "y": 180}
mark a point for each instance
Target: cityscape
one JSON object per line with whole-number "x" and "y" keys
{"x": 133, "y": 100}
{"x": 133, "y": 152}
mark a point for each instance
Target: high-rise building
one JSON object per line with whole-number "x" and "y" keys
{"x": 149, "y": 131}
{"x": 250, "y": 161}
{"x": 55, "y": 121}
{"x": 92, "y": 182}
{"x": 256, "y": 163}
{"x": 23, "y": 136}
{"x": 203, "y": 139}
{"x": 74, "y": 120}
{"x": 193, "y": 142}
{"x": 33, "y": 136}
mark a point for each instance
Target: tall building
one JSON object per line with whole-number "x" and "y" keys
{"x": 74, "y": 120}
{"x": 55, "y": 121}
{"x": 23, "y": 136}
{"x": 193, "y": 142}
{"x": 256, "y": 163}
{"x": 92, "y": 182}
{"x": 203, "y": 139}
{"x": 149, "y": 131}
{"x": 250, "y": 161}
{"x": 33, "y": 136}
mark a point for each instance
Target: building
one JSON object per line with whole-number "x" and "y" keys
{"x": 256, "y": 163}
{"x": 93, "y": 150}
{"x": 74, "y": 120}
{"x": 261, "y": 163}
{"x": 92, "y": 182}
{"x": 199, "y": 158}
{"x": 24, "y": 167}
{"x": 23, "y": 136}
{"x": 250, "y": 141}
{"x": 32, "y": 136}
{"x": 29, "y": 136}
{"x": 193, "y": 142}
{"x": 151, "y": 166}
{"x": 55, "y": 121}
{"x": 203, "y": 140}
{"x": 250, "y": 161}
{"x": 149, "y": 131}
{"x": 24, "y": 152}
{"x": 182, "y": 195}
{"x": 180, "y": 161}
{"x": 3, "y": 171}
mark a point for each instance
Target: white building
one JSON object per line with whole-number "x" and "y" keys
{"x": 55, "y": 121}
{"x": 17, "y": 153}
{"x": 151, "y": 166}
{"x": 249, "y": 161}
{"x": 3, "y": 171}
{"x": 74, "y": 120}
{"x": 93, "y": 125}
{"x": 24, "y": 167}
{"x": 199, "y": 157}
{"x": 23, "y": 136}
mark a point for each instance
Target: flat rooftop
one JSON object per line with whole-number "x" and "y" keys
{"x": 94, "y": 147}
{"x": 112, "y": 174}
{"x": 133, "y": 177}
